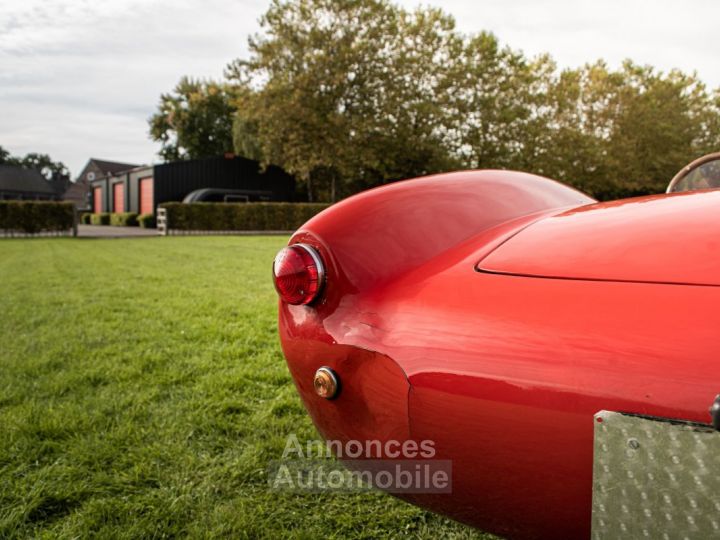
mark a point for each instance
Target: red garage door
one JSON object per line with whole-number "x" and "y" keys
{"x": 146, "y": 195}
{"x": 119, "y": 198}
{"x": 97, "y": 200}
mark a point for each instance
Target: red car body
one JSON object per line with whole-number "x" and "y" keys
{"x": 495, "y": 313}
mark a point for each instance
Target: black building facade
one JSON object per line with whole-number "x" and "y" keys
{"x": 142, "y": 189}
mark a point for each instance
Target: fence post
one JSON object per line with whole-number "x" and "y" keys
{"x": 162, "y": 224}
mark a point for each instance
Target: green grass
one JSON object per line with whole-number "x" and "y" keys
{"x": 143, "y": 394}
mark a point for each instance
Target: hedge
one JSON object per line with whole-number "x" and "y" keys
{"x": 240, "y": 216}
{"x": 85, "y": 218}
{"x": 146, "y": 221}
{"x": 613, "y": 190}
{"x": 35, "y": 216}
{"x": 124, "y": 219}
{"x": 100, "y": 219}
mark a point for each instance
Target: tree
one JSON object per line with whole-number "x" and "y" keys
{"x": 43, "y": 163}
{"x": 497, "y": 98}
{"x": 194, "y": 121}
{"x": 245, "y": 128}
{"x": 6, "y": 158}
{"x": 628, "y": 131}
{"x": 661, "y": 125}
{"x": 581, "y": 106}
{"x": 346, "y": 92}
{"x": 51, "y": 170}
{"x": 245, "y": 137}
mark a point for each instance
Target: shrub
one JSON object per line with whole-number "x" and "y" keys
{"x": 240, "y": 216}
{"x": 612, "y": 190}
{"x": 146, "y": 221}
{"x": 102, "y": 218}
{"x": 35, "y": 216}
{"x": 85, "y": 218}
{"x": 124, "y": 219}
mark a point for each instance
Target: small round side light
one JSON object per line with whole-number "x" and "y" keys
{"x": 326, "y": 383}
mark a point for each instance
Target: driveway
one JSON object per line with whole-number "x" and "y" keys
{"x": 108, "y": 231}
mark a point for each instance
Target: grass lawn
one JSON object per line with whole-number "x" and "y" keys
{"x": 143, "y": 393}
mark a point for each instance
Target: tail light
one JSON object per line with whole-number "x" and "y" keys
{"x": 298, "y": 274}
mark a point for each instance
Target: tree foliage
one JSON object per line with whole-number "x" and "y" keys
{"x": 6, "y": 158}
{"x": 348, "y": 94}
{"x": 346, "y": 98}
{"x": 40, "y": 162}
{"x": 194, "y": 121}
{"x": 633, "y": 126}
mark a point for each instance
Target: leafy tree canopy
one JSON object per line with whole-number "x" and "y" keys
{"x": 348, "y": 94}
{"x": 41, "y": 162}
{"x": 194, "y": 121}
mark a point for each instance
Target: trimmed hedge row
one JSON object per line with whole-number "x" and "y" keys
{"x": 120, "y": 219}
{"x": 146, "y": 221}
{"x": 124, "y": 219}
{"x": 35, "y": 216}
{"x": 102, "y": 218}
{"x": 240, "y": 216}
{"x": 613, "y": 190}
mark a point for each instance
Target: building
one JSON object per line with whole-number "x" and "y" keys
{"x": 78, "y": 192}
{"x": 142, "y": 189}
{"x": 25, "y": 184}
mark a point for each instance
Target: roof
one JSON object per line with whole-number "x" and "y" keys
{"x": 112, "y": 167}
{"x": 19, "y": 179}
{"x": 77, "y": 193}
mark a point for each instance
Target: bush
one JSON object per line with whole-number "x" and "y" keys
{"x": 612, "y": 190}
{"x": 35, "y": 216}
{"x": 124, "y": 219}
{"x": 85, "y": 218}
{"x": 240, "y": 216}
{"x": 102, "y": 218}
{"x": 146, "y": 221}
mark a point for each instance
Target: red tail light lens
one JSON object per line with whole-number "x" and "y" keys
{"x": 298, "y": 274}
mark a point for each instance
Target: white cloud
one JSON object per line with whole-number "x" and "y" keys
{"x": 79, "y": 78}
{"x": 664, "y": 33}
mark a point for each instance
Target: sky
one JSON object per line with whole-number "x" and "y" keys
{"x": 80, "y": 78}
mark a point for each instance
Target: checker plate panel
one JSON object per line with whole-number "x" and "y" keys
{"x": 655, "y": 478}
